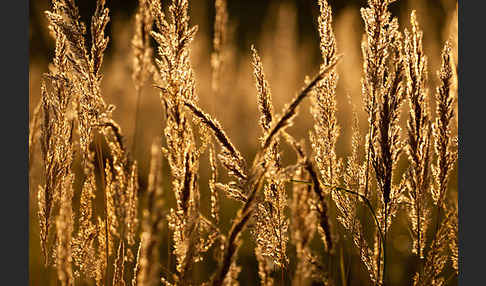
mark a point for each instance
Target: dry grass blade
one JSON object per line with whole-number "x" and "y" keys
{"x": 289, "y": 112}
{"x": 237, "y": 161}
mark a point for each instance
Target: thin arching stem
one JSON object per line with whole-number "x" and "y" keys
{"x": 365, "y": 199}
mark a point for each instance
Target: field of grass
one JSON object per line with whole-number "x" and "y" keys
{"x": 166, "y": 148}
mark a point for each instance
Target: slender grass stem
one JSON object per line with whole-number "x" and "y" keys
{"x": 365, "y": 200}
{"x": 384, "y": 244}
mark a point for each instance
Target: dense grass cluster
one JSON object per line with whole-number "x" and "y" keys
{"x": 102, "y": 226}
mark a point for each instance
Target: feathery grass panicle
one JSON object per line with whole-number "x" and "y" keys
{"x": 80, "y": 72}
{"x": 418, "y": 148}
{"x": 388, "y": 99}
{"x": 387, "y": 145}
{"x": 122, "y": 189}
{"x": 442, "y": 129}
{"x": 175, "y": 71}
{"x": 271, "y": 224}
{"x": 326, "y": 129}
{"x": 57, "y": 161}
{"x": 445, "y": 235}
{"x": 382, "y": 94}
{"x": 83, "y": 67}
{"x": 99, "y": 42}
{"x": 174, "y": 38}
{"x": 56, "y": 130}
{"x": 353, "y": 178}
{"x": 264, "y": 93}
{"x": 57, "y": 146}
{"x": 375, "y": 49}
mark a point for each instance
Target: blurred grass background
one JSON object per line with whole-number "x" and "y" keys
{"x": 285, "y": 34}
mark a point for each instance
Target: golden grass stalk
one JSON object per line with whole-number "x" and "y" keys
{"x": 381, "y": 89}
{"x": 187, "y": 224}
{"x": 419, "y": 135}
{"x": 264, "y": 94}
{"x": 326, "y": 130}
{"x": 442, "y": 129}
{"x": 271, "y": 227}
{"x": 57, "y": 146}
{"x": 231, "y": 157}
{"x": 445, "y": 235}
{"x": 77, "y": 76}
{"x": 252, "y": 181}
